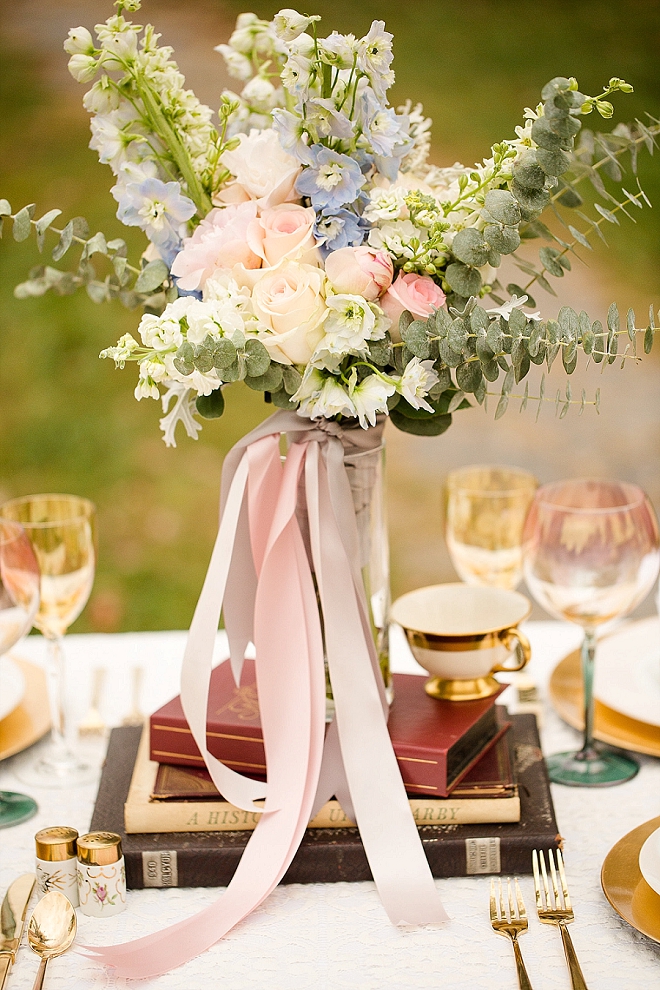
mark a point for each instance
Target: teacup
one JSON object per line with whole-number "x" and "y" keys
{"x": 463, "y": 634}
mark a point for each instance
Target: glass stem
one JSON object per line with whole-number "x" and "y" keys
{"x": 588, "y": 751}
{"x": 60, "y": 749}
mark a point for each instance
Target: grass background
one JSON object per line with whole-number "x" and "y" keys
{"x": 70, "y": 423}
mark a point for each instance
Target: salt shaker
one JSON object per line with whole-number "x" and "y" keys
{"x": 101, "y": 874}
{"x": 56, "y": 861}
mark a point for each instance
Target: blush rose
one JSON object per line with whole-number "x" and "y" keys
{"x": 360, "y": 271}
{"x": 416, "y": 293}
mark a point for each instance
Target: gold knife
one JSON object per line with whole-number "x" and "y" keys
{"x": 12, "y": 920}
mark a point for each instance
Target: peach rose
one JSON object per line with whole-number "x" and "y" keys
{"x": 417, "y": 293}
{"x": 290, "y": 304}
{"x": 284, "y": 231}
{"x": 219, "y": 242}
{"x": 360, "y": 271}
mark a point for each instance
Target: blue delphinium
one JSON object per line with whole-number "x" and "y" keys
{"x": 339, "y": 230}
{"x": 159, "y": 208}
{"x": 331, "y": 180}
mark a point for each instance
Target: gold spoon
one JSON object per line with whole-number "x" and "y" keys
{"x": 51, "y": 931}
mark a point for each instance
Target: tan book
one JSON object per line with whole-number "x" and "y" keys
{"x": 143, "y": 813}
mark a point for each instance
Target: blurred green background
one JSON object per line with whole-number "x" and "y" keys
{"x": 69, "y": 422}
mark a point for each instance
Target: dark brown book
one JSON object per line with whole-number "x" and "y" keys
{"x": 209, "y": 859}
{"x": 436, "y": 742}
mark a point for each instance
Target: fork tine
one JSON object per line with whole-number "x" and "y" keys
{"x": 503, "y": 913}
{"x": 548, "y": 902}
{"x": 564, "y": 884}
{"x": 522, "y": 913}
{"x": 553, "y": 877}
{"x": 537, "y": 880}
{"x": 493, "y": 901}
{"x": 512, "y": 906}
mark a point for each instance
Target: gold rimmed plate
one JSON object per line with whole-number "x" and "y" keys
{"x": 30, "y": 720}
{"x": 567, "y": 697}
{"x": 625, "y": 887}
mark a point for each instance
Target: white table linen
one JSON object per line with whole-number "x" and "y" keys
{"x": 337, "y": 936}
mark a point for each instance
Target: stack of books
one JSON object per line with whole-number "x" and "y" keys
{"x": 476, "y": 782}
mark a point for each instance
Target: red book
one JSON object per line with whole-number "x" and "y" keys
{"x": 436, "y": 742}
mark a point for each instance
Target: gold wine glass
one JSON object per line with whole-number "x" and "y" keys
{"x": 62, "y": 531}
{"x": 486, "y": 506}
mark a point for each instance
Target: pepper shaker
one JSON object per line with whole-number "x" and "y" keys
{"x": 56, "y": 861}
{"x": 101, "y": 874}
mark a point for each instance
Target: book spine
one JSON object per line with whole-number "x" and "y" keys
{"x": 220, "y": 816}
{"x": 334, "y": 860}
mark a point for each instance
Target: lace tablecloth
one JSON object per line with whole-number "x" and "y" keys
{"x": 337, "y": 936}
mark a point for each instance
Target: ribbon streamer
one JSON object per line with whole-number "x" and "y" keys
{"x": 261, "y": 571}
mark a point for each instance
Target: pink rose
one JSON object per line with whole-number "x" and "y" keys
{"x": 290, "y": 305}
{"x": 417, "y": 293}
{"x": 360, "y": 271}
{"x": 284, "y": 231}
{"x": 219, "y": 242}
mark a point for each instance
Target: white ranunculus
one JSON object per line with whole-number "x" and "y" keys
{"x": 290, "y": 306}
{"x": 418, "y": 377}
{"x": 263, "y": 168}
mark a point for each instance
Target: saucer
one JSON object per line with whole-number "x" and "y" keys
{"x": 627, "y": 672}
{"x": 12, "y": 686}
{"x": 30, "y": 720}
{"x": 625, "y": 887}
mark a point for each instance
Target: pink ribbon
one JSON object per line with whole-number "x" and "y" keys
{"x": 261, "y": 570}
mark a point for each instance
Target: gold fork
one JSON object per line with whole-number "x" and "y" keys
{"x": 510, "y": 921}
{"x": 556, "y": 909}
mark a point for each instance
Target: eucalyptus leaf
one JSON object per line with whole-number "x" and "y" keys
{"x": 506, "y": 240}
{"x": 22, "y": 224}
{"x": 152, "y": 275}
{"x": 379, "y": 353}
{"x": 517, "y": 322}
{"x": 502, "y": 207}
{"x": 257, "y": 359}
{"x": 599, "y": 347}
{"x": 232, "y": 373}
{"x": 553, "y": 162}
{"x": 211, "y": 406}
{"x": 501, "y": 406}
{"x": 463, "y": 280}
{"x": 469, "y": 376}
{"x": 224, "y": 354}
{"x": 479, "y": 319}
{"x": 5, "y": 208}
{"x": 415, "y": 337}
{"x": 291, "y": 378}
{"x": 282, "y": 400}
{"x": 458, "y": 335}
{"x": 203, "y": 360}
{"x": 522, "y": 369}
{"x": 530, "y": 199}
{"x": 549, "y": 261}
{"x": 468, "y": 246}
{"x": 431, "y": 427}
{"x": 528, "y": 173}
{"x": 42, "y": 225}
{"x": 613, "y": 321}
{"x": 579, "y": 237}
{"x": 270, "y": 381}
{"x": 649, "y": 336}
{"x": 491, "y": 370}
{"x": 630, "y": 324}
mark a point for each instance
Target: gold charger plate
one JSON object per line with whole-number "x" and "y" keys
{"x": 31, "y": 719}
{"x": 567, "y": 697}
{"x": 625, "y": 887}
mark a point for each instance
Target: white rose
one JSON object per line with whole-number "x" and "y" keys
{"x": 263, "y": 169}
{"x": 290, "y": 305}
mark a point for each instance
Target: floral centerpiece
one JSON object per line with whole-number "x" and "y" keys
{"x": 304, "y": 245}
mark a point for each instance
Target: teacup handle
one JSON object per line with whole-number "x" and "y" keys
{"x": 514, "y": 637}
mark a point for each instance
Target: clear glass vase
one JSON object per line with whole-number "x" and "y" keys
{"x": 366, "y": 474}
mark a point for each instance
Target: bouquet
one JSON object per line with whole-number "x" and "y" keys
{"x": 305, "y": 245}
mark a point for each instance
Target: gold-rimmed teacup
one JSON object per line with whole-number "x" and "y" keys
{"x": 463, "y": 635}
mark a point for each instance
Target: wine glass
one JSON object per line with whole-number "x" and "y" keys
{"x": 19, "y": 601}
{"x": 486, "y": 508}
{"x": 62, "y": 531}
{"x": 591, "y": 554}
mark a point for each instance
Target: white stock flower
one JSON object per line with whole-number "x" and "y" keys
{"x": 350, "y": 323}
{"x": 396, "y": 237}
{"x": 289, "y": 24}
{"x": 238, "y": 65}
{"x": 418, "y": 377}
{"x": 79, "y": 42}
{"x": 212, "y": 317}
{"x": 370, "y": 398}
{"x": 102, "y": 97}
{"x": 83, "y": 67}
{"x": 122, "y": 351}
{"x": 330, "y": 400}
{"x": 259, "y": 93}
{"x": 146, "y": 388}
{"x": 386, "y": 204}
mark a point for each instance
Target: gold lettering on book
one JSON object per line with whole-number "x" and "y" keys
{"x": 448, "y": 813}
{"x": 243, "y": 704}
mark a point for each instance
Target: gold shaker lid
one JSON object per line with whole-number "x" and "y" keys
{"x": 99, "y": 848}
{"x": 56, "y": 844}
